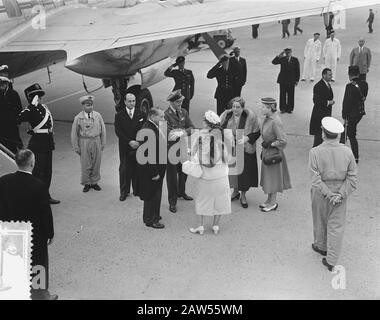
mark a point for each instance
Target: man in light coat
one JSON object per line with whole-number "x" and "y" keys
{"x": 331, "y": 53}
{"x": 333, "y": 178}
{"x": 361, "y": 57}
{"x": 312, "y": 53}
{"x": 88, "y": 138}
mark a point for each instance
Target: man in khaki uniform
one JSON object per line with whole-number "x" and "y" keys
{"x": 88, "y": 138}
{"x": 333, "y": 179}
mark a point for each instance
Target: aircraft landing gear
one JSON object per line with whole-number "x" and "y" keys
{"x": 144, "y": 100}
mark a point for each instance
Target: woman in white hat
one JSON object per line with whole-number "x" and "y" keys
{"x": 212, "y": 196}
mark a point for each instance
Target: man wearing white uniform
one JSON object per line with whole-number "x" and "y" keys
{"x": 331, "y": 53}
{"x": 312, "y": 53}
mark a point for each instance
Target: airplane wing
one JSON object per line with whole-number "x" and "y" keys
{"x": 106, "y": 34}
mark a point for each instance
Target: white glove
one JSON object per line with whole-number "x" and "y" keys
{"x": 35, "y": 100}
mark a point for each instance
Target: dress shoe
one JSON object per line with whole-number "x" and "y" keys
{"x": 328, "y": 266}
{"x": 215, "y": 229}
{"x": 303, "y": 79}
{"x": 86, "y": 188}
{"x": 156, "y": 225}
{"x": 172, "y": 208}
{"x": 199, "y": 230}
{"x": 311, "y": 80}
{"x": 52, "y": 297}
{"x": 244, "y": 204}
{"x": 357, "y": 161}
{"x": 185, "y": 197}
{"x": 270, "y": 208}
{"x": 53, "y": 201}
{"x": 122, "y": 198}
{"x": 263, "y": 205}
{"x": 235, "y": 197}
{"x": 282, "y": 111}
{"x": 290, "y": 111}
{"x": 96, "y": 187}
{"x": 316, "y": 249}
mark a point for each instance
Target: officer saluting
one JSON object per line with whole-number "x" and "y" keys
{"x": 183, "y": 79}
{"x": 333, "y": 179}
{"x": 225, "y": 74}
{"x": 41, "y": 142}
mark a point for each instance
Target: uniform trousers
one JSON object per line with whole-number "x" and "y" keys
{"x": 151, "y": 211}
{"x": 287, "y": 97}
{"x": 352, "y": 123}
{"x": 127, "y": 172}
{"x": 176, "y": 181}
{"x": 328, "y": 223}
{"x": 90, "y": 159}
{"x": 43, "y": 166}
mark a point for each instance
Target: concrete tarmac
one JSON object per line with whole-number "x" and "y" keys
{"x": 102, "y": 249}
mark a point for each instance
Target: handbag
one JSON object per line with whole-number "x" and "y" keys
{"x": 272, "y": 156}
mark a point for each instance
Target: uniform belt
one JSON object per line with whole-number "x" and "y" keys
{"x": 87, "y": 137}
{"x": 42, "y": 131}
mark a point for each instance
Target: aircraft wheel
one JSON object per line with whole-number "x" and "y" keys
{"x": 222, "y": 43}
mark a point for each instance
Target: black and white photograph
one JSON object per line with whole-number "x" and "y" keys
{"x": 191, "y": 150}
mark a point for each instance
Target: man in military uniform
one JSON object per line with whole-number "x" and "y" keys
{"x": 10, "y": 107}
{"x": 41, "y": 142}
{"x": 179, "y": 124}
{"x": 88, "y": 138}
{"x": 353, "y": 107}
{"x": 333, "y": 179}
{"x": 183, "y": 79}
{"x": 224, "y": 73}
{"x": 287, "y": 78}
{"x": 240, "y": 66}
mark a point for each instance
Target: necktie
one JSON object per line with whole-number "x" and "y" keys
{"x": 130, "y": 113}
{"x": 89, "y": 116}
{"x": 177, "y": 113}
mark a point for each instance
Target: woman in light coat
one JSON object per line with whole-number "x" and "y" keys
{"x": 274, "y": 177}
{"x": 212, "y": 196}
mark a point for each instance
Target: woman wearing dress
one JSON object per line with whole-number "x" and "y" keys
{"x": 238, "y": 117}
{"x": 212, "y": 196}
{"x": 275, "y": 177}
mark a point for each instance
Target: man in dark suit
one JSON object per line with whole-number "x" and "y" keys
{"x": 183, "y": 79}
{"x": 128, "y": 122}
{"x": 25, "y": 198}
{"x": 323, "y": 101}
{"x": 240, "y": 66}
{"x": 150, "y": 171}
{"x": 179, "y": 124}
{"x": 287, "y": 78}
{"x": 370, "y": 19}
{"x": 41, "y": 142}
{"x": 353, "y": 108}
{"x": 285, "y": 28}
{"x": 224, "y": 73}
{"x": 10, "y": 107}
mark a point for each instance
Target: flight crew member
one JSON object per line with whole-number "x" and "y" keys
{"x": 285, "y": 25}
{"x": 240, "y": 66}
{"x": 312, "y": 54}
{"x": 41, "y": 142}
{"x": 361, "y": 57}
{"x": 323, "y": 98}
{"x": 297, "y": 22}
{"x": 88, "y": 138}
{"x": 179, "y": 124}
{"x": 225, "y": 76}
{"x": 183, "y": 79}
{"x": 370, "y": 19}
{"x": 255, "y": 31}
{"x": 10, "y": 108}
{"x": 353, "y": 108}
{"x": 287, "y": 78}
{"x": 333, "y": 179}
{"x": 331, "y": 53}
{"x": 128, "y": 122}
